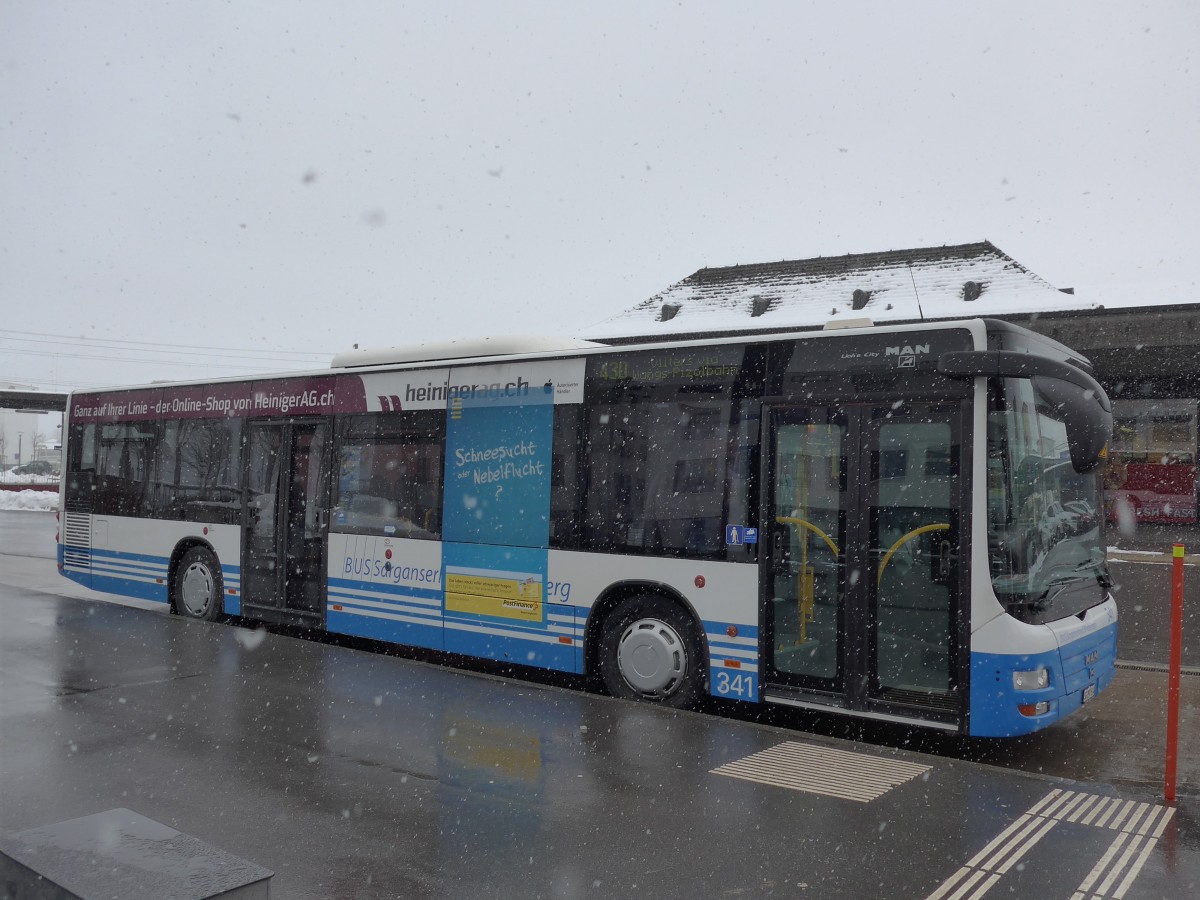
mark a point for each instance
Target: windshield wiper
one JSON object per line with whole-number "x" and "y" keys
{"x": 1101, "y": 575}
{"x": 1101, "y": 567}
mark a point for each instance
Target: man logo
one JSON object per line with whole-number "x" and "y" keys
{"x": 906, "y": 356}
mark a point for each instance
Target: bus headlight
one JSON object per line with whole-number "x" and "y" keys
{"x": 1031, "y": 680}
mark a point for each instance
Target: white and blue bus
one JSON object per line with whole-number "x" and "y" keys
{"x": 867, "y": 521}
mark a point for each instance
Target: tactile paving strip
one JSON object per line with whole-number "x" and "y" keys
{"x": 823, "y": 770}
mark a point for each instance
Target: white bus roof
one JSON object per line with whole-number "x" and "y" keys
{"x": 475, "y": 347}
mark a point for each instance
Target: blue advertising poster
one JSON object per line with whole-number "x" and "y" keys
{"x": 495, "y": 556}
{"x": 498, "y": 459}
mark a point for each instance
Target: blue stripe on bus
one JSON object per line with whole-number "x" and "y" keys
{"x": 158, "y": 563}
{"x": 730, "y": 680}
{"x": 511, "y": 646}
{"x": 729, "y": 647}
{"x": 127, "y": 587}
{"x": 231, "y": 580}
{"x": 128, "y": 574}
{"x": 530, "y": 646}
{"x": 122, "y": 554}
{"x": 75, "y": 563}
{"x": 368, "y": 624}
{"x": 372, "y": 587}
{"x": 499, "y": 623}
{"x": 384, "y": 606}
{"x": 994, "y": 700}
{"x": 148, "y": 558}
{"x": 231, "y": 604}
{"x": 83, "y": 578}
{"x": 134, "y": 569}
{"x": 122, "y": 569}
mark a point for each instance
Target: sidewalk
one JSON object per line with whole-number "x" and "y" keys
{"x": 1155, "y": 539}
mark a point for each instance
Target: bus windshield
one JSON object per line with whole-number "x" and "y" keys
{"x": 1045, "y": 519}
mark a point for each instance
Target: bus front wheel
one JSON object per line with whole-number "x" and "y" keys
{"x": 197, "y": 586}
{"x": 649, "y": 652}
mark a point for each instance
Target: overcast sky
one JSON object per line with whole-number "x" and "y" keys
{"x": 293, "y": 177}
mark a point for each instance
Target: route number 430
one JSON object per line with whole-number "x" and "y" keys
{"x": 739, "y": 685}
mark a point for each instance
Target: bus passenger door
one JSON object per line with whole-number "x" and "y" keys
{"x": 807, "y": 520}
{"x": 862, "y": 578}
{"x": 912, "y": 503}
{"x": 283, "y": 559}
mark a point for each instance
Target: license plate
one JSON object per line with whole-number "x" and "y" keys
{"x": 1089, "y": 692}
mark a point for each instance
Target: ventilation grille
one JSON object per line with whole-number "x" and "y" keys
{"x": 947, "y": 702}
{"x": 77, "y": 541}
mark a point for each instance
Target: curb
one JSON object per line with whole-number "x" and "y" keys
{"x": 1151, "y": 556}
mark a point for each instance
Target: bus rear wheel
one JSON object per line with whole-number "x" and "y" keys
{"x": 196, "y": 590}
{"x": 649, "y": 651}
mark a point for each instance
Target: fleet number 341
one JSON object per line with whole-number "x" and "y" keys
{"x": 739, "y": 685}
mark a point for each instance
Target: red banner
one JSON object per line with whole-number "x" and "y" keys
{"x": 304, "y": 396}
{"x": 1159, "y": 493}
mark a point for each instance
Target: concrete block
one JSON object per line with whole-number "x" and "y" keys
{"x": 122, "y": 854}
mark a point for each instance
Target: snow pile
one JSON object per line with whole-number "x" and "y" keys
{"x": 36, "y": 501}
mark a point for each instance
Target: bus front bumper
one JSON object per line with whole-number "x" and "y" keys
{"x": 1015, "y": 694}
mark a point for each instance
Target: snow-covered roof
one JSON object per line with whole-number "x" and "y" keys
{"x": 959, "y": 281}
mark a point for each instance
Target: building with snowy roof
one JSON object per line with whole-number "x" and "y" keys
{"x": 1146, "y": 354}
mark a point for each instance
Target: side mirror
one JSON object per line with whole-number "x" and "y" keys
{"x": 1089, "y": 424}
{"x": 1078, "y": 397}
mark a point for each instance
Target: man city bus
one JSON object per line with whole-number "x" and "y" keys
{"x": 864, "y": 521}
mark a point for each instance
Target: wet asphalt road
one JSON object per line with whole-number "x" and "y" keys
{"x": 357, "y": 774}
{"x": 1143, "y": 594}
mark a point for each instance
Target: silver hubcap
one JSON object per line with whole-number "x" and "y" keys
{"x": 197, "y": 588}
{"x": 652, "y": 657}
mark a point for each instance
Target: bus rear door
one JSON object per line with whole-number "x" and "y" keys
{"x": 284, "y": 514}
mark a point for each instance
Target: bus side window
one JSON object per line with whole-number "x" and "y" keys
{"x": 81, "y": 464}
{"x": 566, "y": 476}
{"x": 196, "y": 466}
{"x": 389, "y": 475}
{"x": 123, "y": 468}
{"x": 86, "y": 447}
{"x": 658, "y": 476}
